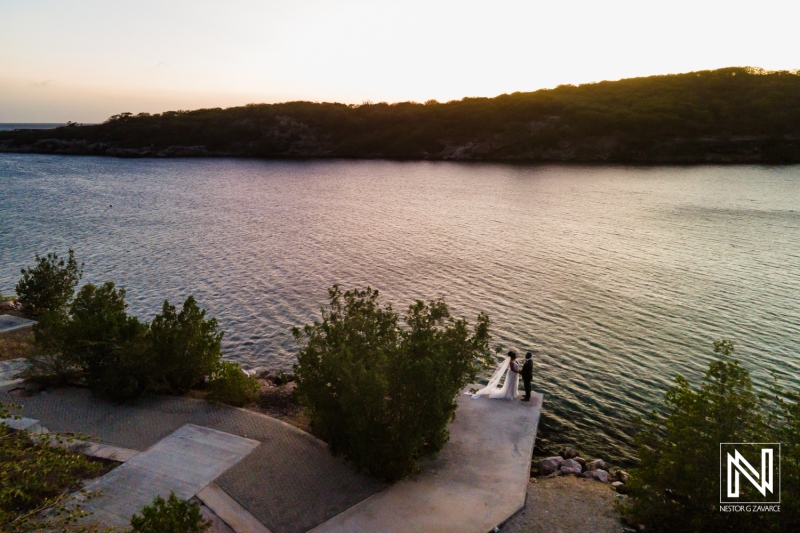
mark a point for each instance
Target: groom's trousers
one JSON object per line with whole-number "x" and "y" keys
{"x": 527, "y": 383}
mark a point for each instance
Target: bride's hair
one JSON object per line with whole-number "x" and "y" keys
{"x": 512, "y": 355}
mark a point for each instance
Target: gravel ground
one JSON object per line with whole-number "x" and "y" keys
{"x": 567, "y": 504}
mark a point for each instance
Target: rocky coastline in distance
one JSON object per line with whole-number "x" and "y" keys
{"x": 734, "y": 115}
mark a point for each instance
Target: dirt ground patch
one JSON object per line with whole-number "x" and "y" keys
{"x": 567, "y": 504}
{"x": 17, "y": 343}
{"x": 278, "y": 402}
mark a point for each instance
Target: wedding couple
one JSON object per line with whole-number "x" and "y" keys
{"x": 512, "y": 371}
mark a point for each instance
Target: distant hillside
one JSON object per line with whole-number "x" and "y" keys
{"x": 733, "y": 115}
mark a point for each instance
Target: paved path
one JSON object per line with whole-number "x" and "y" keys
{"x": 184, "y": 463}
{"x": 289, "y": 482}
{"x": 11, "y": 323}
{"x": 476, "y": 483}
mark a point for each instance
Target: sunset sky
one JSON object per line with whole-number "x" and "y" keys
{"x": 86, "y": 60}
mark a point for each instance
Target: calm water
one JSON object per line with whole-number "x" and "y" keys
{"x": 616, "y": 278}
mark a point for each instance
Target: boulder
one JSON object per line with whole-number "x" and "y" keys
{"x": 621, "y": 475}
{"x": 567, "y": 470}
{"x": 597, "y": 464}
{"x": 568, "y": 452}
{"x": 619, "y": 486}
{"x": 587, "y": 474}
{"x": 549, "y": 465}
{"x": 581, "y": 461}
{"x": 571, "y": 463}
{"x": 600, "y": 475}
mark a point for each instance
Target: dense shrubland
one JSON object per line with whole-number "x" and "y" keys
{"x": 676, "y": 487}
{"x": 90, "y": 337}
{"x": 673, "y": 117}
{"x": 382, "y": 393}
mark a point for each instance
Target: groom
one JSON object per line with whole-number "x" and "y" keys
{"x": 527, "y": 375}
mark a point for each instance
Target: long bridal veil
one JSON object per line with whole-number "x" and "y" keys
{"x": 494, "y": 381}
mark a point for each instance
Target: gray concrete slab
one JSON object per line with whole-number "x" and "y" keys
{"x": 183, "y": 463}
{"x": 229, "y": 510}
{"x": 11, "y": 323}
{"x": 477, "y": 482}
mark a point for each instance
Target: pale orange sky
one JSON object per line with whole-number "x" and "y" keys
{"x": 85, "y": 60}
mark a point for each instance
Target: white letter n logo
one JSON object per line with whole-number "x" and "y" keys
{"x": 741, "y": 465}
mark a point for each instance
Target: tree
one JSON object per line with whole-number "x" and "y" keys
{"x": 383, "y": 394}
{"x": 106, "y": 343}
{"x": 48, "y": 286}
{"x": 171, "y": 516}
{"x": 676, "y": 487}
{"x": 185, "y": 346}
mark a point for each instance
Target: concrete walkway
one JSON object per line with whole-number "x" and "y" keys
{"x": 257, "y": 471}
{"x": 290, "y": 482}
{"x": 476, "y": 483}
{"x": 184, "y": 463}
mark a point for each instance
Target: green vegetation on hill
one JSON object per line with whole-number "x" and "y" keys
{"x": 732, "y": 114}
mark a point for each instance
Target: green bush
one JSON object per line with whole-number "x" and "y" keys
{"x": 380, "y": 393}
{"x": 185, "y": 346}
{"x": 106, "y": 344}
{"x": 48, "y": 286}
{"x": 34, "y": 477}
{"x": 228, "y": 384}
{"x": 172, "y": 516}
{"x": 676, "y": 487}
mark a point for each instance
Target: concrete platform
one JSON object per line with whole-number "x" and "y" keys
{"x": 184, "y": 463}
{"x": 11, "y": 322}
{"x": 477, "y": 482}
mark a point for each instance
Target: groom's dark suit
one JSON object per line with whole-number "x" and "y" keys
{"x": 527, "y": 376}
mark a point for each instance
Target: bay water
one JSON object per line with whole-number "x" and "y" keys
{"x": 616, "y": 278}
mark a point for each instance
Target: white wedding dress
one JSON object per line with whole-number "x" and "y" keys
{"x": 510, "y": 387}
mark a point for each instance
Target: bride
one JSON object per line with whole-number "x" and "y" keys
{"x": 510, "y": 389}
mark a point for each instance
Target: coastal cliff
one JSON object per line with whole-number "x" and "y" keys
{"x": 733, "y": 115}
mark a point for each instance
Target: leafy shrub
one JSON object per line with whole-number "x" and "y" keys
{"x": 676, "y": 487}
{"x": 33, "y": 479}
{"x": 172, "y": 516}
{"x": 185, "y": 346}
{"x": 106, "y": 344}
{"x": 48, "y": 286}
{"x": 91, "y": 335}
{"x": 228, "y": 384}
{"x": 383, "y": 394}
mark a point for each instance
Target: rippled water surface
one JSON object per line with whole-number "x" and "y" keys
{"x": 616, "y": 278}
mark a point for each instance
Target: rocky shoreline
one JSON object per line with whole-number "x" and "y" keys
{"x": 594, "y": 150}
{"x": 569, "y": 463}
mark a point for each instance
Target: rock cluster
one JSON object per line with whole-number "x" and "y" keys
{"x": 9, "y": 305}
{"x": 568, "y": 462}
{"x": 276, "y": 377}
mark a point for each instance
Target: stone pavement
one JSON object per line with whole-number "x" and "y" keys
{"x": 11, "y": 323}
{"x": 184, "y": 463}
{"x": 290, "y": 482}
{"x": 477, "y": 482}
